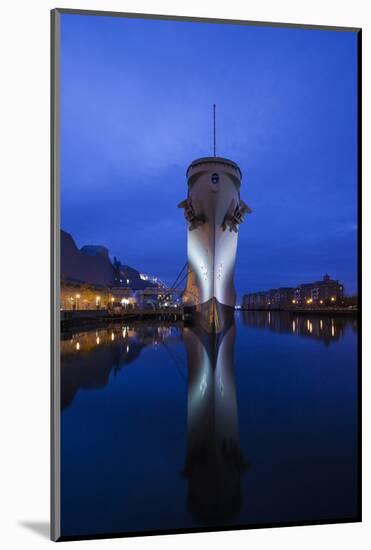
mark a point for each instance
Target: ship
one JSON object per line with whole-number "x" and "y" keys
{"x": 214, "y": 211}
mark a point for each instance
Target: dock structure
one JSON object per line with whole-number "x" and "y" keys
{"x": 72, "y": 318}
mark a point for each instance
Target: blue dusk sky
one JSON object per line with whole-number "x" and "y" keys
{"x": 136, "y": 109}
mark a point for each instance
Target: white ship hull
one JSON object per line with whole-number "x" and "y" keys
{"x": 214, "y": 211}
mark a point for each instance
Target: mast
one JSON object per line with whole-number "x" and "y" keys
{"x": 214, "y": 125}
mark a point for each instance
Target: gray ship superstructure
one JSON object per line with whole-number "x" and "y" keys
{"x": 214, "y": 211}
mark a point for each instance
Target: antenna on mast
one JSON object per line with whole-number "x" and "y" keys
{"x": 214, "y": 108}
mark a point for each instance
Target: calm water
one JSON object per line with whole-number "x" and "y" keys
{"x": 163, "y": 428}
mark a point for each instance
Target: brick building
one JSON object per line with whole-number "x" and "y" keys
{"x": 325, "y": 292}
{"x": 320, "y": 293}
{"x": 275, "y": 298}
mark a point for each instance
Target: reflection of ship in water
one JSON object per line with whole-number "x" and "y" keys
{"x": 214, "y": 462}
{"x": 326, "y": 328}
{"x": 87, "y": 358}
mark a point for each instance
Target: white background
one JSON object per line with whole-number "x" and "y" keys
{"x": 24, "y": 253}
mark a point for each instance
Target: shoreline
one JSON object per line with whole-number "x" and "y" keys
{"x": 96, "y": 319}
{"x": 90, "y": 319}
{"x": 306, "y": 311}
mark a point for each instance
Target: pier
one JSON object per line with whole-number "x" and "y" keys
{"x": 82, "y": 318}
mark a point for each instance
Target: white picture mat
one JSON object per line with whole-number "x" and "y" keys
{"x": 25, "y": 230}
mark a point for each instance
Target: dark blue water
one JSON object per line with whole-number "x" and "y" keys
{"x": 165, "y": 428}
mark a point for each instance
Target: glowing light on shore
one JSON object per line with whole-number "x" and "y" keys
{"x": 77, "y": 346}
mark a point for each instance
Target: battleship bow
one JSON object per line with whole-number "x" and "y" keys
{"x": 214, "y": 212}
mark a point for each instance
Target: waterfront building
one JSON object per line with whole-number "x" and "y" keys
{"x": 127, "y": 276}
{"x": 256, "y": 300}
{"x": 319, "y": 293}
{"x": 90, "y": 264}
{"x": 90, "y": 280}
{"x": 283, "y": 297}
{"x": 77, "y": 295}
{"x": 325, "y": 292}
{"x": 274, "y": 298}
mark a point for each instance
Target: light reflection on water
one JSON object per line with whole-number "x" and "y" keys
{"x": 197, "y": 430}
{"x": 325, "y": 328}
{"x": 89, "y": 357}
